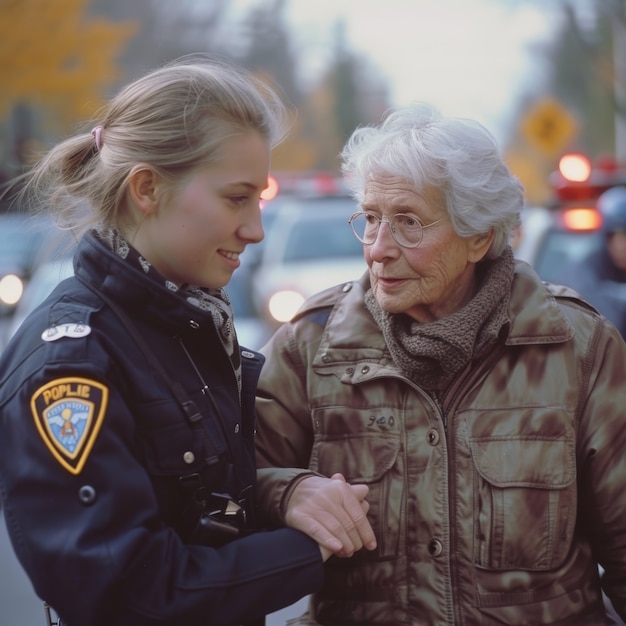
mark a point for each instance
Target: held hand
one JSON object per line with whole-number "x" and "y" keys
{"x": 333, "y": 513}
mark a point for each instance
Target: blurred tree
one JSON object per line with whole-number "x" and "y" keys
{"x": 266, "y": 48}
{"x": 581, "y": 76}
{"x": 349, "y": 95}
{"x": 56, "y": 61}
{"x": 167, "y": 30}
{"x": 344, "y": 82}
{"x": 327, "y": 113}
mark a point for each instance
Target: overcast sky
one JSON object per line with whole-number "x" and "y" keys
{"x": 468, "y": 57}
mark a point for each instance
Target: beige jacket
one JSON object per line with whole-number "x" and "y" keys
{"x": 494, "y": 508}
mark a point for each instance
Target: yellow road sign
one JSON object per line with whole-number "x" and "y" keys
{"x": 548, "y": 126}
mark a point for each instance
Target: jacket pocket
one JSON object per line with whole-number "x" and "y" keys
{"x": 525, "y": 501}
{"x": 370, "y": 459}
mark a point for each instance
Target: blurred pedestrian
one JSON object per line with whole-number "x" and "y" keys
{"x": 484, "y": 409}
{"x": 127, "y": 466}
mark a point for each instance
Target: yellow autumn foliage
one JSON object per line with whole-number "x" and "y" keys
{"x": 57, "y": 59}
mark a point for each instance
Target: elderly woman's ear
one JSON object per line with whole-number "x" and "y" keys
{"x": 479, "y": 245}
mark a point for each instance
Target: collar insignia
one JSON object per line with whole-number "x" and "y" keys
{"x": 68, "y": 414}
{"x": 65, "y": 330}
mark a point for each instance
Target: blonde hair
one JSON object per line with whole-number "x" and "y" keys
{"x": 174, "y": 119}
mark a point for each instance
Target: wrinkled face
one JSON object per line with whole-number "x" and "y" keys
{"x": 197, "y": 231}
{"x": 436, "y": 278}
{"x": 616, "y": 245}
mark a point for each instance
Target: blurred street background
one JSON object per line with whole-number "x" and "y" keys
{"x": 547, "y": 77}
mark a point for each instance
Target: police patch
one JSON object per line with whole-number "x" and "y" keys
{"x": 68, "y": 414}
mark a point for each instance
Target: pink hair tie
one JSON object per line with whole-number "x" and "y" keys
{"x": 97, "y": 135}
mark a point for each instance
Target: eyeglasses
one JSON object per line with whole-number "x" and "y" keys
{"x": 406, "y": 230}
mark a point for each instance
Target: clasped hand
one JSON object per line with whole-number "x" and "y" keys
{"x": 332, "y": 512}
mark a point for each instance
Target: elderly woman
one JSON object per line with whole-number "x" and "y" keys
{"x": 484, "y": 409}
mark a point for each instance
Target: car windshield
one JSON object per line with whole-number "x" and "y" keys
{"x": 323, "y": 239}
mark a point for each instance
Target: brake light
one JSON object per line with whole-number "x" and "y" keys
{"x": 581, "y": 219}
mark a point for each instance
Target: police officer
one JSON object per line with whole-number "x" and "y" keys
{"x": 126, "y": 404}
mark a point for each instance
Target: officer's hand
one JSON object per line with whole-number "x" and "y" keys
{"x": 333, "y": 513}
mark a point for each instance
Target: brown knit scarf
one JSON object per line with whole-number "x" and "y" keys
{"x": 433, "y": 354}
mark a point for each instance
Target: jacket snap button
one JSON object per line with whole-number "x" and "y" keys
{"x": 236, "y": 428}
{"x": 193, "y": 324}
{"x": 189, "y": 457}
{"x": 433, "y": 437}
{"x": 325, "y": 358}
{"x": 434, "y": 547}
{"x": 87, "y": 494}
{"x": 365, "y": 369}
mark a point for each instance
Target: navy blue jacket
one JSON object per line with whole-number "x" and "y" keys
{"x": 98, "y": 459}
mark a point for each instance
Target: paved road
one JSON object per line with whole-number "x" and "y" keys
{"x": 19, "y": 606}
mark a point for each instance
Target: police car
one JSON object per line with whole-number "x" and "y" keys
{"x": 559, "y": 236}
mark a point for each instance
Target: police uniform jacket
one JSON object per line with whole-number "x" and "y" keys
{"x": 98, "y": 458}
{"x": 491, "y": 505}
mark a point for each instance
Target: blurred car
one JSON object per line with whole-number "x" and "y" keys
{"x": 553, "y": 240}
{"x": 21, "y": 237}
{"x": 557, "y": 237}
{"x": 308, "y": 248}
{"x": 251, "y": 331}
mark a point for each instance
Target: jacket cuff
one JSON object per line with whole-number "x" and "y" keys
{"x": 274, "y": 488}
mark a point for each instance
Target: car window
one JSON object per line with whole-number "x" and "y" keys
{"x": 325, "y": 239}
{"x": 562, "y": 250}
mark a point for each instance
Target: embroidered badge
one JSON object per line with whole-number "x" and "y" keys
{"x": 68, "y": 414}
{"x": 65, "y": 330}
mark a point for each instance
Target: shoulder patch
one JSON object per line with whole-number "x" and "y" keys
{"x": 68, "y": 413}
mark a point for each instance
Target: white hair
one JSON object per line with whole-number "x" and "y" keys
{"x": 459, "y": 156}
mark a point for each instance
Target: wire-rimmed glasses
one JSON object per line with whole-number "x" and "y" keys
{"x": 406, "y": 230}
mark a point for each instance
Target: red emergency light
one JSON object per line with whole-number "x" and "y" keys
{"x": 576, "y": 180}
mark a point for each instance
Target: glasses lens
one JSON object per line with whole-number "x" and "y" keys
{"x": 365, "y": 227}
{"x": 406, "y": 230}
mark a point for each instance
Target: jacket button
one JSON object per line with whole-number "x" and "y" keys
{"x": 434, "y": 547}
{"x": 193, "y": 324}
{"x": 365, "y": 369}
{"x": 433, "y": 436}
{"x": 87, "y": 494}
{"x": 189, "y": 457}
{"x": 236, "y": 428}
{"x": 325, "y": 358}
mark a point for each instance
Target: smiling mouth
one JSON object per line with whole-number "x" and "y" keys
{"x": 233, "y": 256}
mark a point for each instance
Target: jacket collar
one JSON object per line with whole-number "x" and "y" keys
{"x": 351, "y": 333}
{"x": 104, "y": 270}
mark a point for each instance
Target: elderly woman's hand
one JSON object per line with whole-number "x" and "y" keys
{"x": 332, "y": 512}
